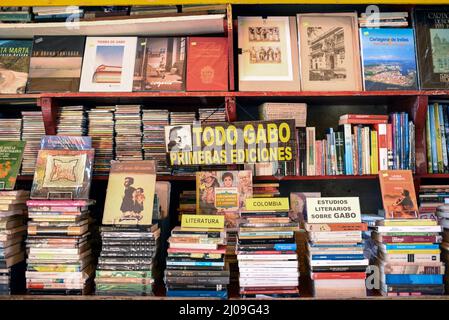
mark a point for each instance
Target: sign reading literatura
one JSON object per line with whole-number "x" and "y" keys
{"x": 205, "y": 221}
{"x": 333, "y": 210}
{"x": 231, "y": 143}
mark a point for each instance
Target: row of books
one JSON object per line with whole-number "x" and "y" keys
{"x": 437, "y": 138}
{"x": 111, "y": 64}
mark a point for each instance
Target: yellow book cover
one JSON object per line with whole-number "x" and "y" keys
{"x": 130, "y": 193}
{"x": 438, "y": 138}
{"x": 410, "y": 222}
{"x": 430, "y": 251}
{"x": 374, "y": 153}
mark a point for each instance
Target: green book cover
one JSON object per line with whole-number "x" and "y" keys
{"x": 11, "y": 153}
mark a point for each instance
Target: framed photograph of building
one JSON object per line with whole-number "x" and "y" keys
{"x": 329, "y": 52}
{"x": 268, "y": 54}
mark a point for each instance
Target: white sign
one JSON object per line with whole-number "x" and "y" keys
{"x": 333, "y": 210}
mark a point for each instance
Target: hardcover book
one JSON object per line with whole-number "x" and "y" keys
{"x": 207, "y": 64}
{"x": 268, "y": 54}
{"x": 55, "y": 64}
{"x": 14, "y": 64}
{"x": 11, "y": 153}
{"x": 130, "y": 193}
{"x": 329, "y": 52}
{"x": 432, "y": 42}
{"x": 388, "y": 59}
{"x": 160, "y": 64}
{"x": 63, "y": 174}
{"x": 398, "y": 194}
{"x": 108, "y": 64}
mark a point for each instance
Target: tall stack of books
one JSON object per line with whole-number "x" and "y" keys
{"x": 127, "y": 263}
{"x": 32, "y": 132}
{"x": 128, "y": 128}
{"x": 12, "y": 235}
{"x": 430, "y": 198}
{"x": 266, "y": 254}
{"x": 281, "y": 111}
{"x": 72, "y": 121}
{"x": 443, "y": 216}
{"x": 101, "y": 130}
{"x": 383, "y": 19}
{"x": 196, "y": 263}
{"x": 336, "y": 259}
{"x": 437, "y": 138}
{"x": 211, "y": 115}
{"x": 182, "y": 118}
{"x": 154, "y": 122}
{"x": 10, "y": 129}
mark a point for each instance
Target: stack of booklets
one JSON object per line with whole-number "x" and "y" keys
{"x": 101, "y": 130}
{"x": 212, "y": 115}
{"x": 127, "y": 263}
{"x": 266, "y": 254}
{"x": 443, "y": 217}
{"x": 266, "y": 190}
{"x": 154, "y": 122}
{"x": 72, "y": 121}
{"x": 12, "y": 234}
{"x": 437, "y": 138}
{"x": 281, "y": 111}
{"x": 182, "y": 118}
{"x": 15, "y": 14}
{"x": 152, "y": 10}
{"x": 196, "y": 263}
{"x": 336, "y": 259}
{"x": 383, "y": 19}
{"x": 32, "y": 132}
{"x": 10, "y": 129}
{"x": 431, "y": 197}
{"x": 54, "y": 14}
{"x": 128, "y": 128}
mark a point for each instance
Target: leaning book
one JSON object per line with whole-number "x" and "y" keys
{"x": 130, "y": 193}
{"x": 14, "y": 63}
{"x": 11, "y": 153}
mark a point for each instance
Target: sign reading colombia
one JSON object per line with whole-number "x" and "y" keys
{"x": 231, "y": 143}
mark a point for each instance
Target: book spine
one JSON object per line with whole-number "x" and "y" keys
{"x": 433, "y": 139}
{"x": 428, "y": 142}
{"x": 302, "y": 151}
{"x": 367, "y": 138}
{"x": 390, "y": 156}
{"x": 348, "y": 148}
{"x": 443, "y": 136}
{"x": 412, "y": 154}
{"x": 446, "y": 129}
{"x": 382, "y": 152}
{"x": 438, "y": 139}
{"x": 333, "y": 153}
{"x": 374, "y": 153}
{"x": 310, "y": 137}
{"x": 355, "y": 159}
{"x": 318, "y": 153}
{"x": 340, "y": 152}
{"x": 406, "y": 142}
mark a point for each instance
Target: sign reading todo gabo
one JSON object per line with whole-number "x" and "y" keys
{"x": 231, "y": 143}
{"x": 333, "y": 210}
{"x": 267, "y": 204}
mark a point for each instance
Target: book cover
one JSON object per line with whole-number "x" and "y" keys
{"x": 298, "y": 210}
{"x": 329, "y": 52}
{"x": 108, "y": 64}
{"x": 11, "y": 153}
{"x": 207, "y": 67}
{"x": 398, "y": 194}
{"x": 130, "y": 193}
{"x": 14, "y": 64}
{"x": 55, "y": 64}
{"x": 388, "y": 59}
{"x": 432, "y": 43}
{"x": 160, "y": 64}
{"x": 62, "y": 174}
{"x": 234, "y": 187}
{"x": 267, "y": 54}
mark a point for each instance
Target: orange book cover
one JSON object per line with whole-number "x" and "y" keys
{"x": 207, "y": 64}
{"x": 398, "y": 194}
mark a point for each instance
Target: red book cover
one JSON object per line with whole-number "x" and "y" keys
{"x": 338, "y": 275}
{"x": 207, "y": 64}
{"x": 318, "y": 155}
{"x": 364, "y": 116}
{"x": 410, "y": 239}
{"x": 361, "y": 121}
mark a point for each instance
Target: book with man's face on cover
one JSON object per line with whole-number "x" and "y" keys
{"x": 130, "y": 193}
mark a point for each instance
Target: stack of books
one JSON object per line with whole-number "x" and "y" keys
{"x": 383, "y": 19}
{"x": 101, "y": 130}
{"x": 266, "y": 254}
{"x": 128, "y": 128}
{"x": 443, "y": 216}
{"x": 60, "y": 260}
{"x": 409, "y": 257}
{"x": 211, "y": 115}
{"x": 437, "y": 138}
{"x": 32, "y": 132}
{"x": 154, "y": 122}
{"x": 10, "y": 129}
{"x": 128, "y": 260}
{"x": 266, "y": 190}
{"x": 55, "y": 14}
{"x": 282, "y": 111}
{"x": 152, "y": 10}
{"x": 72, "y": 121}
{"x": 180, "y": 118}
{"x": 430, "y": 198}
{"x": 15, "y": 14}
{"x": 12, "y": 233}
{"x": 196, "y": 263}
{"x": 336, "y": 259}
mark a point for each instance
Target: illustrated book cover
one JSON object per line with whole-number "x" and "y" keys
{"x": 14, "y": 64}
{"x": 11, "y": 154}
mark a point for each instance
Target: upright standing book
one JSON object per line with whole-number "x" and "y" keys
{"x": 267, "y": 54}
{"x": 207, "y": 64}
{"x": 130, "y": 193}
{"x": 108, "y": 64}
{"x": 432, "y": 42}
{"x": 14, "y": 64}
{"x": 11, "y": 153}
{"x": 160, "y": 64}
{"x": 388, "y": 59}
{"x": 55, "y": 64}
{"x": 329, "y": 52}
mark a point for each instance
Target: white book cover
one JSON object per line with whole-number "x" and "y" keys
{"x": 320, "y": 263}
{"x": 108, "y": 64}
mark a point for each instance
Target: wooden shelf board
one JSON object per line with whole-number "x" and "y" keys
{"x": 302, "y": 178}
{"x": 434, "y": 176}
{"x": 87, "y": 95}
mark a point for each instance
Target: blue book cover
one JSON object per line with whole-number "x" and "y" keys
{"x": 338, "y": 257}
{"x": 356, "y": 245}
{"x": 388, "y": 59}
{"x": 433, "y": 139}
{"x": 198, "y": 293}
{"x": 196, "y": 264}
{"x": 66, "y": 143}
{"x": 414, "y": 278}
{"x": 412, "y": 246}
{"x": 285, "y": 247}
{"x": 359, "y": 149}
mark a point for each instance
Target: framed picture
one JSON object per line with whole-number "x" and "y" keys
{"x": 268, "y": 55}
{"x": 329, "y": 52}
